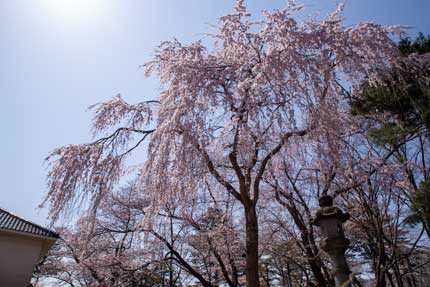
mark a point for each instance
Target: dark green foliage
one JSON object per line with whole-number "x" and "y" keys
{"x": 388, "y": 133}
{"x": 420, "y": 208}
{"x": 404, "y": 102}
{"x": 400, "y": 97}
{"x": 421, "y": 45}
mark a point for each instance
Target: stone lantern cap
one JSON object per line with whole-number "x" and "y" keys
{"x": 327, "y": 210}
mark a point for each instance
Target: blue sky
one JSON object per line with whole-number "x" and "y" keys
{"x": 57, "y": 57}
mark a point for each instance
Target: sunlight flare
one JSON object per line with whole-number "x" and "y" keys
{"x": 74, "y": 11}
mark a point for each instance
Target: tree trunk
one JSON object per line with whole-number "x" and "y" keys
{"x": 252, "y": 278}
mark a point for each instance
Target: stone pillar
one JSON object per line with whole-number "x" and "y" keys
{"x": 329, "y": 219}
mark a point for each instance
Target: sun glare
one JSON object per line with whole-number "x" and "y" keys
{"x": 74, "y": 10}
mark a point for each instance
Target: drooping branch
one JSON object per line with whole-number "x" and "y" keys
{"x": 79, "y": 171}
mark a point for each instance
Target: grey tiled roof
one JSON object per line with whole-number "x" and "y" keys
{"x": 12, "y": 222}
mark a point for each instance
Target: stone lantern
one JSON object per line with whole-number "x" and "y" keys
{"x": 329, "y": 219}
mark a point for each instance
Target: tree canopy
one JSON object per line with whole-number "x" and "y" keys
{"x": 243, "y": 138}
